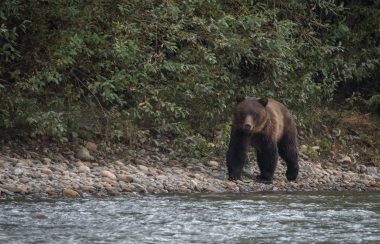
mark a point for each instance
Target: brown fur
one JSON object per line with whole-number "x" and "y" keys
{"x": 268, "y": 126}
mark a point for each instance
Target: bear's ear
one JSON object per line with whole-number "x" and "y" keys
{"x": 263, "y": 101}
{"x": 240, "y": 98}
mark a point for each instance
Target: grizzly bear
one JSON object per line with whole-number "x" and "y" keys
{"x": 268, "y": 126}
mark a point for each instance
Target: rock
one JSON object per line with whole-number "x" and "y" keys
{"x": 39, "y": 215}
{"x": 140, "y": 188}
{"x": 143, "y": 168}
{"x": 193, "y": 184}
{"x": 212, "y": 163}
{"x": 307, "y": 169}
{"x": 345, "y": 159}
{"x": 91, "y": 146}
{"x": 46, "y": 160}
{"x": 362, "y": 168}
{"x": 211, "y": 188}
{"x": 161, "y": 177}
{"x": 108, "y": 174}
{"x": 316, "y": 148}
{"x": 139, "y": 161}
{"x": 84, "y": 169}
{"x": 18, "y": 171}
{"x": 372, "y": 170}
{"x": 231, "y": 186}
{"x": 84, "y": 154}
{"x": 126, "y": 178}
{"x": 109, "y": 180}
{"x": 70, "y": 193}
{"x": 46, "y": 171}
{"x": 211, "y": 145}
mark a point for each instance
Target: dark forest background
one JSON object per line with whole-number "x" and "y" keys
{"x": 112, "y": 68}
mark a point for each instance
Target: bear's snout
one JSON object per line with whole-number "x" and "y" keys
{"x": 248, "y": 123}
{"x": 247, "y": 127}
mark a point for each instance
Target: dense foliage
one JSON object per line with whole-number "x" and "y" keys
{"x": 114, "y": 66}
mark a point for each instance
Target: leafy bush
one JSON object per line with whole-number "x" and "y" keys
{"x": 176, "y": 66}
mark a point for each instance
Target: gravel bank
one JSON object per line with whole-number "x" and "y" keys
{"x": 151, "y": 172}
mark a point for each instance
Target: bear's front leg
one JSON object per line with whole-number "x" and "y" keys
{"x": 267, "y": 158}
{"x": 236, "y": 154}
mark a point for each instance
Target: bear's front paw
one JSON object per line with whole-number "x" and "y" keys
{"x": 291, "y": 175}
{"x": 265, "y": 180}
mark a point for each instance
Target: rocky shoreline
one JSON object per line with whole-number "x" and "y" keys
{"x": 149, "y": 171}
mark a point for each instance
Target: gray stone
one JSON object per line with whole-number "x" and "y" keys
{"x": 307, "y": 169}
{"x": 18, "y": 171}
{"x": 84, "y": 154}
{"x": 372, "y": 170}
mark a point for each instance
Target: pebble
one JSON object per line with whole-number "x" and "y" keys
{"x": 91, "y": 146}
{"x": 18, "y": 171}
{"x": 84, "y": 154}
{"x": 84, "y": 169}
{"x": 46, "y": 171}
{"x": 213, "y": 164}
{"x": 39, "y": 215}
{"x": 46, "y": 160}
{"x": 345, "y": 159}
{"x": 70, "y": 193}
{"x": 372, "y": 170}
{"x": 142, "y": 168}
{"x": 126, "y": 178}
{"x": 108, "y": 174}
{"x": 155, "y": 173}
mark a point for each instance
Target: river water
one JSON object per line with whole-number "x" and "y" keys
{"x": 198, "y": 218}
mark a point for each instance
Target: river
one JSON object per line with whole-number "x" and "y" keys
{"x": 343, "y": 217}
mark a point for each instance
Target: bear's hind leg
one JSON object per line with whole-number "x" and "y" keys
{"x": 267, "y": 159}
{"x": 289, "y": 152}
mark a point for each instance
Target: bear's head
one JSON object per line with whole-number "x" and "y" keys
{"x": 250, "y": 114}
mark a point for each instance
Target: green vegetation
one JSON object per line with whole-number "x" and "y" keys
{"x": 110, "y": 68}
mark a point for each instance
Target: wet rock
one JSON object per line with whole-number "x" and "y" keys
{"x": 84, "y": 154}
{"x": 193, "y": 184}
{"x": 84, "y": 169}
{"x": 70, "y": 193}
{"x": 91, "y": 146}
{"x": 39, "y": 215}
{"x": 231, "y": 186}
{"x": 213, "y": 164}
{"x": 108, "y": 174}
{"x": 211, "y": 188}
{"x": 139, "y": 187}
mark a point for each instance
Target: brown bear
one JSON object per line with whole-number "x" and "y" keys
{"x": 268, "y": 126}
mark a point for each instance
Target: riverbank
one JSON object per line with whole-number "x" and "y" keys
{"x": 87, "y": 172}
